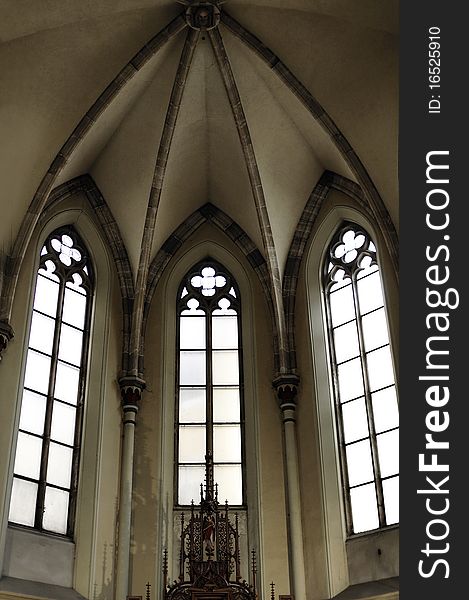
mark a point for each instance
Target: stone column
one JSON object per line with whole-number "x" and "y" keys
{"x": 6, "y": 334}
{"x": 286, "y": 387}
{"x": 131, "y": 391}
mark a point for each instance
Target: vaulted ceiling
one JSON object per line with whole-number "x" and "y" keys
{"x": 58, "y": 57}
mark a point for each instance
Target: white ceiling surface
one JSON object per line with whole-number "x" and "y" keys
{"x": 66, "y": 53}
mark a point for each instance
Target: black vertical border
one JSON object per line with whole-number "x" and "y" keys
{"x": 420, "y": 133}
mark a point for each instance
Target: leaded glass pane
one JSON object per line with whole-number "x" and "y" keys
{"x": 66, "y": 383}
{"x": 364, "y": 508}
{"x": 227, "y": 443}
{"x": 225, "y": 367}
{"x": 37, "y": 372}
{"x": 385, "y": 409}
{"x": 192, "y": 333}
{"x": 388, "y": 452}
{"x": 28, "y": 455}
{"x": 55, "y": 510}
{"x": 355, "y": 420}
{"x": 33, "y": 411}
{"x": 74, "y": 310}
{"x": 226, "y": 405}
{"x": 189, "y": 482}
{"x": 346, "y": 342}
{"x": 70, "y": 344}
{"x": 375, "y": 330}
{"x": 192, "y": 405}
{"x": 63, "y": 423}
{"x": 46, "y": 295}
{"x": 59, "y": 466}
{"x": 380, "y": 370}
{"x": 360, "y": 466}
{"x": 342, "y": 305}
{"x": 41, "y": 336}
{"x": 391, "y": 500}
{"x": 224, "y": 332}
{"x": 23, "y": 502}
{"x": 192, "y": 368}
{"x": 192, "y": 444}
{"x": 230, "y": 483}
{"x": 350, "y": 380}
{"x": 370, "y": 294}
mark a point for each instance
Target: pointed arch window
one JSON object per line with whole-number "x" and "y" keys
{"x": 209, "y": 403}
{"x": 363, "y": 380}
{"x": 48, "y": 447}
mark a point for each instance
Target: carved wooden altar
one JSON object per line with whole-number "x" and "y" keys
{"x": 209, "y": 554}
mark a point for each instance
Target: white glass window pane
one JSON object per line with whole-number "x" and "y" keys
{"x": 342, "y": 306}
{"x": 227, "y": 443}
{"x": 354, "y": 420}
{"x": 366, "y": 268}
{"x": 375, "y": 330}
{"x": 63, "y": 423}
{"x": 359, "y": 464}
{"x": 192, "y": 368}
{"x": 225, "y": 367}
{"x": 191, "y": 443}
{"x": 70, "y": 345}
{"x": 42, "y": 333}
{"x": 230, "y": 483}
{"x": 370, "y": 294}
{"x": 33, "y": 410}
{"x": 59, "y": 465}
{"x": 74, "y": 309}
{"x": 192, "y": 333}
{"x": 190, "y": 479}
{"x": 346, "y": 342}
{"x": 385, "y": 409}
{"x": 192, "y": 405}
{"x": 380, "y": 371}
{"x": 388, "y": 452}
{"x": 224, "y": 332}
{"x": 364, "y": 508}
{"x": 350, "y": 380}
{"x": 226, "y": 405}
{"x": 66, "y": 383}
{"x": 45, "y": 297}
{"x": 28, "y": 456}
{"x": 37, "y": 372}
{"x": 55, "y": 510}
{"x": 391, "y": 500}
{"x": 23, "y": 502}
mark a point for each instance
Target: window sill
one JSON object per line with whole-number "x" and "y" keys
{"x": 384, "y": 589}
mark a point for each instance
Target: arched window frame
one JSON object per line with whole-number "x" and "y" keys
{"x": 355, "y": 262}
{"x": 64, "y": 259}
{"x": 208, "y": 303}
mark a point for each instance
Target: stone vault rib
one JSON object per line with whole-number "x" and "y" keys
{"x": 320, "y": 115}
{"x": 15, "y": 259}
{"x": 136, "y": 337}
{"x": 258, "y": 195}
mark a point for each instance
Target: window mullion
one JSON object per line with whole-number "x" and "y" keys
{"x": 40, "y": 506}
{"x": 369, "y": 411}
{"x": 209, "y": 383}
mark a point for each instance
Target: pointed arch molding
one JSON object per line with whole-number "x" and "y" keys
{"x": 328, "y": 181}
{"x": 210, "y": 213}
{"x": 15, "y": 259}
{"x": 380, "y": 213}
{"x": 111, "y": 232}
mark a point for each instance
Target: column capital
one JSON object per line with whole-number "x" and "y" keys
{"x": 6, "y": 334}
{"x": 131, "y": 391}
{"x": 286, "y": 387}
